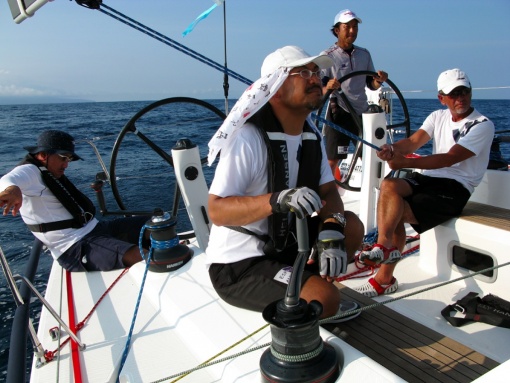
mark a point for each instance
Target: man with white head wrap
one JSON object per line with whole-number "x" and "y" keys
{"x": 272, "y": 162}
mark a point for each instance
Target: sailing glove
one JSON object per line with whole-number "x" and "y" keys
{"x": 331, "y": 253}
{"x": 302, "y": 201}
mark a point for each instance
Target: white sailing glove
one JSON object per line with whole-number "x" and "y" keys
{"x": 302, "y": 201}
{"x": 331, "y": 253}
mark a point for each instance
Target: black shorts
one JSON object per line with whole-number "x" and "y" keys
{"x": 256, "y": 282}
{"x": 435, "y": 200}
{"x": 337, "y": 144}
{"x": 104, "y": 247}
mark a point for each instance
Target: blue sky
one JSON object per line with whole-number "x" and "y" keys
{"x": 68, "y": 51}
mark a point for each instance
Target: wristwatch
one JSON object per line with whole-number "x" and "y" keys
{"x": 339, "y": 218}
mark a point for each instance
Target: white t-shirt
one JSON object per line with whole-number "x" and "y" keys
{"x": 41, "y": 206}
{"x": 242, "y": 171}
{"x": 441, "y": 128}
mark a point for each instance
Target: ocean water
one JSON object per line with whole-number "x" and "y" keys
{"x": 143, "y": 179}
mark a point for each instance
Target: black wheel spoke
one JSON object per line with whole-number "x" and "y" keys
{"x": 344, "y": 183}
{"x": 140, "y": 175}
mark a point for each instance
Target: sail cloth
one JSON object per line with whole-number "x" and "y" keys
{"x": 202, "y": 16}
{"x": 253, "y": 98}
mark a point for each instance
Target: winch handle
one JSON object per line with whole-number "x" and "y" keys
{"x": 294, "y": 287}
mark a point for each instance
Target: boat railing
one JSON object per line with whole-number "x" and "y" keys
{"x": 22, "y": 325}
{"x": 16, "y": 367}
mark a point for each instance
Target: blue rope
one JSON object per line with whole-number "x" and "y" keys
{"x": 346, "y": 132}
{"x": 370, "y": 238}
{"x": 154, "y": 245}
{"x": 164, "y": 244}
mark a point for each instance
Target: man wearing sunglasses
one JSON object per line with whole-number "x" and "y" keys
{"x": 273, "y": 163}
{"x": 62, "y": 217}
{"x": 347, "y": 58}
{"x": 462, "y": 138}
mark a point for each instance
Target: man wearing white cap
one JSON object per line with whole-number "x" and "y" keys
{"x": 272, "y": 163}
{"x": 347, "y": 58}
{"x": 462, "y": 139}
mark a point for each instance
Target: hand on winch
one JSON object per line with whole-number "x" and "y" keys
{"x": 331, "y": 254}
{"x": 302, "y": 201}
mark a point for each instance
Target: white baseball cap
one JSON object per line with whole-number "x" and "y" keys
{"x": 292, "y": 57}
{"x": 345, "y": 16}
{"x": 451, "y": 79}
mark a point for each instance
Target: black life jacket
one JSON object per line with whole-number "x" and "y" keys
{"x": 310, "y": 159}
{"x": 74, "y": 201}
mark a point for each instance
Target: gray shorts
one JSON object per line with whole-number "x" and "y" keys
{"x": 337, "y": 143}
{"x": 104, "y": 247}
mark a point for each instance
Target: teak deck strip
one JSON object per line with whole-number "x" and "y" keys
{"x": 407, "y": 348}
{"x": 487, "y": 215}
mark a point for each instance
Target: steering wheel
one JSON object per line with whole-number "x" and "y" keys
{"x": 137, "y": 170}
{"x": 344, "y": 183}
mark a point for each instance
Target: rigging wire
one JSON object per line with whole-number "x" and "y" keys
{"x": 172, "y": 43}
{"x": 225, "y": 75}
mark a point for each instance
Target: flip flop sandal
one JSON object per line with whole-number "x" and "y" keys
{"x": 374, "y": 289}
{"x": 380, "y": 255}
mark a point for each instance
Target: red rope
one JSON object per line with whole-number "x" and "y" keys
{"x": 370, "y": 270}
{"x": 72, "y": 325}
{"x": 50, "y": 355}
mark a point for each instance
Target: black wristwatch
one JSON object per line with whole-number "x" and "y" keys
{"x": 339, "y": 218}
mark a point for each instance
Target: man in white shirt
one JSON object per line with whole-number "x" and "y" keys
{"x": 62, "y": 217}
{"x": 462, "y": 139}
{"x": 273, "y": 162}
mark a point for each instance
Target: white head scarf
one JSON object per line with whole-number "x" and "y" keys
{"x": 274, "y": 72}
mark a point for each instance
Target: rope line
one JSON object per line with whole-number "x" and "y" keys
{"x": 138, "y": 300}
{"x": 131, "y": 328}
{"x": 154, "y": 245}
{"x": 425, "y": 289}
{"x": 212, "y": 360}
{"x": 172, "y": 43}
{"x": 327, "y": 320}
{"x": 298, "y": 358}
{"x": 346, "y": 132}
{"x": 50, "y": 355}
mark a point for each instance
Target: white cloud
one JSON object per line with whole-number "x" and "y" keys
{"x": 3, "y": 71}
{"x": 14, "y": 90}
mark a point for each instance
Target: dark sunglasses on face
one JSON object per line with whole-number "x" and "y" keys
{"x": 463, "y": 91}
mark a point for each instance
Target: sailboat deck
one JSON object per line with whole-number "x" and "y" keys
{"x": 410, "y": 350}
{"x": 488, "y": 215}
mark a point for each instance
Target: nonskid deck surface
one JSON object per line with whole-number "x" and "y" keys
{"x": 181, "y": 324}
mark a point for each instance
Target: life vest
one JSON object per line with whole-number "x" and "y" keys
{"x": 310, "y": 160}
{"x": 74, "y": 201}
